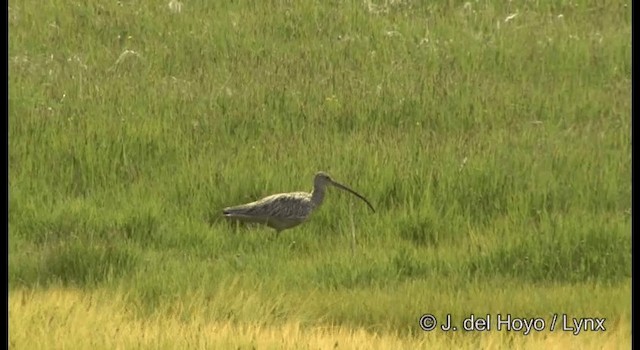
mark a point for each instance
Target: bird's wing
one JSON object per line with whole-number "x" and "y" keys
{"x": 285, "y": 205}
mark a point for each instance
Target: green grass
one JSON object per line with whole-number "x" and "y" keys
{"x": 496, "y": 152}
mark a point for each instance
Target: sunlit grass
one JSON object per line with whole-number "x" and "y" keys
{"x": 63, "y": 318}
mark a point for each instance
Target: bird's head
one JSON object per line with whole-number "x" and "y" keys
{"x": 323, "y": 179}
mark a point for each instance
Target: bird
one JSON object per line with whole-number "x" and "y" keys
{"x": 286, "y": 210}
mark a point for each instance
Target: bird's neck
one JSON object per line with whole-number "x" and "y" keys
{"x": 317, "y": 195}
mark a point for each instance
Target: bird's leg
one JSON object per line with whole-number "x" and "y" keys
{"x": 274, "y": 236}
{"x": 234, "y": 225}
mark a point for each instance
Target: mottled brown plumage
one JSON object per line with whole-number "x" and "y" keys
{"x": 286, "y": 210}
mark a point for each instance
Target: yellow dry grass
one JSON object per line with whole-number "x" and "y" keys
{"x": 70, "y": 319}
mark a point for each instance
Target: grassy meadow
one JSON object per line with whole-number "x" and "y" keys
{"x": 493, "y": 139}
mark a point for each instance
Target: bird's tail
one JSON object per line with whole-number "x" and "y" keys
{"x": 232, "y": 211}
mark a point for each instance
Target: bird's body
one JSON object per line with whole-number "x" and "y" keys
{"x": 285, "y": 210}
{"x": 279, "y": 211}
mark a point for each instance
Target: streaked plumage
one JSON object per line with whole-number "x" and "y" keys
{"x": 286, "y": 210}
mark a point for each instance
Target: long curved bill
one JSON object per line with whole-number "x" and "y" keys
{"x": 343, "y": 187}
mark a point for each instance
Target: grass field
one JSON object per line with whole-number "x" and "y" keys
{"x": 493, "y": 139}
